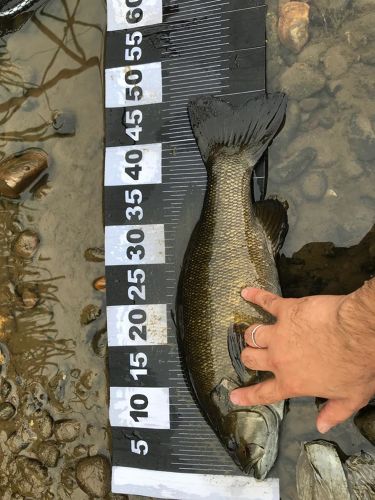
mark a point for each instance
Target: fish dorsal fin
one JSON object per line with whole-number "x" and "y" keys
{"x": 273, "y": 216}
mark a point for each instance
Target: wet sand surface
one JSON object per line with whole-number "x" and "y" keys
{"x": 52, "y": 320}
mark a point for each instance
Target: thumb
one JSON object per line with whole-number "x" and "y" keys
{"x": 266, "y": 300}
{"x": 334, "y": 412}
{"x": 259, "y": 394}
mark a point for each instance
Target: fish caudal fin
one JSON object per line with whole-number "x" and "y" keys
{"x": 220, "y": 127}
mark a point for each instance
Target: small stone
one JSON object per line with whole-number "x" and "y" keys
{"x": 314, "y": 186}
{"x": 26, "y": 244}
{"x": 94, "y": 254}
{"x": 362, "y": 137}
{"x": 100, "y": 284}
{"x": 4, "y": 358}
{"x": 20, "y": 439}
{"x": 67, "y": 430}
{"x": 29, "y": 477}
{"x": 48, "y": 453}
{"x": 93, "y": 476}
{"x": 301, "y": 81}
{"x": 309, "y": 104}
{"x": 64, "y": 122}
{"x": 89, "y": 314}
{"x": 335, "y": 64}
{"x": 7, "y": 411}
{"x": 293, "y": 166}
{"x": 42, "y": 424}
{"x": 5, "y": 388}
{"x": 29, "y": 298}
{"x": 293, "y": 25}
{"x": 99, "y": 343}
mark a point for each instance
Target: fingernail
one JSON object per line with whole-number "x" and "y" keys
{"x": 245, "y": 292}
{"x": 323, "y": 427}
{"x": 235, "y": 398}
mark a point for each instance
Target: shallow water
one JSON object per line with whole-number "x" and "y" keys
{"x": 55, "y": 63}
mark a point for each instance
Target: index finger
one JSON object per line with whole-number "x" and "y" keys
{"x": 267, "y": 300}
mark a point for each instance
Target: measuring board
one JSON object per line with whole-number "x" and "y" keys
{"x": 159, "y": 54}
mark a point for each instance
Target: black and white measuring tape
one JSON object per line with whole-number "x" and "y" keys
{"x": 158, "y": 55}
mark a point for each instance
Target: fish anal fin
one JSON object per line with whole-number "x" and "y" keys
{"x": 236, "y": 344}
{"x": 272, "y": 214}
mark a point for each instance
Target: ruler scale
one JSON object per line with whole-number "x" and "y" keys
{"x": 159, "y": 54}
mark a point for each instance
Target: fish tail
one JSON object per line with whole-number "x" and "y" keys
{"x": 221, "y": 128}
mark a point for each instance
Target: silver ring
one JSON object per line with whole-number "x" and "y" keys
{"x": 253, "y": 337}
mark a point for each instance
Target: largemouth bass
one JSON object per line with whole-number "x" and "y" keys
{"x": 232, "y": 247}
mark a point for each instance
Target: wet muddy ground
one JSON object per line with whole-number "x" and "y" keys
{"x": 53, "y": 393}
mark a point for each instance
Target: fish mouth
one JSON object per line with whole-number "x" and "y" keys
{"x": 252, "y": 439}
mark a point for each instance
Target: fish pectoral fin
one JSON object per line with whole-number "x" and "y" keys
{"x": 236, "y": 344}
{"x": 272, "y": 214}
{"x": 221, "y": 395}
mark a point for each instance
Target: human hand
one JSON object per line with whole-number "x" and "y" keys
{"x": 321, "y": 346}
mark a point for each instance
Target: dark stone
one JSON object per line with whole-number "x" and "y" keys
{"x": 94, "y": 254}
{"x": 293, "y": 166}
{"x": 93, "y": 476}
{"x": 64, "y": 122}
{"x": 362, "y": 137}
{"x": 99, "y": 343}
{"x": 89, "y": 314}
{"x": 7, "y": 411}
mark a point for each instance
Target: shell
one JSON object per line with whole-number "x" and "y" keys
{"x": 293, "y": 26}
{"x": 19, "y": 171}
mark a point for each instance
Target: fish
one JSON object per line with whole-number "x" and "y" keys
{"x": 320, "y": 473}
{"x": 360, "y": 470}
{"x": 365, "y": 422}
{"x": 233, "y": 246}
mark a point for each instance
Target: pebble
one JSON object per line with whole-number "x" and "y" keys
{"x": 309, "y": 104}
{"x": 26, "y": 244}
{"x": 89, "y": 314}
{"x": 67, "y": 430}
{"x": 314, "y": 186}
{"x": 64, "y": 122}
{"x": 42, "y": 425}
{"x": 362, "y": 137}
{"x": 293, "y": 166}
{"x": 29, "y": 478}
{"x": 20, "y": 439}
{"x": 302, "y": 80}
{"x": 99, "y": 343}
{"x": 48, "y": 453}
{"x": 100, "y": 284}
{"x": 5, "y": 388}
{"x": 7, "y": 411}
{"x": 293, "y": 27}
{"x": 94, "y": 254}
{"x": 335, "y": 64}
{"x": 93, "y": 476}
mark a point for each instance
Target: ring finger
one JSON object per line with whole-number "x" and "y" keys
{"x": 256, "y": 336}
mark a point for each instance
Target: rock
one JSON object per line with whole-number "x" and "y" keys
{"x": 302, "y": 80}
{"x": 94, "y": 254}
{"x": 4, "y": 358}
{"x": 7, "y": 411}
{"x": 314, "y": 186}
{"x": 26, "y": 244}
{"x": 93, "y": 476}
{"x": 42, "y": 424}
{"x": 29, "y": 477}
{"x": 48, "y": 453}
{"x": 20, "y": 439}
{"x": 99, "y": 343}
{"x": 335, "y": 64}
{"x": 89, "y": 314}
{"x": 293, "y": 166}
{"x": 100, "y": 284}
{"x": 313, "y": 53}
{"x": 67, "y": 430}
{"x": 64, "y": 122}
{"x": 5, "y": 388}
{"x": 19, "y": 171}
{"x": 309, "y": 104}
{"x": 293, "y": 27}
{"x": 362, "y": 137}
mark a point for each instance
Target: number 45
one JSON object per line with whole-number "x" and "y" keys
{"x": 139, "y": 447}
{"x": 134, "y": 119}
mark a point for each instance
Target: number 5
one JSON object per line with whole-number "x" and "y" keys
{"x": 139, "y": 447}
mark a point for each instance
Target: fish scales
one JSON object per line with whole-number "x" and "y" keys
{"x": 229, "y": 250}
